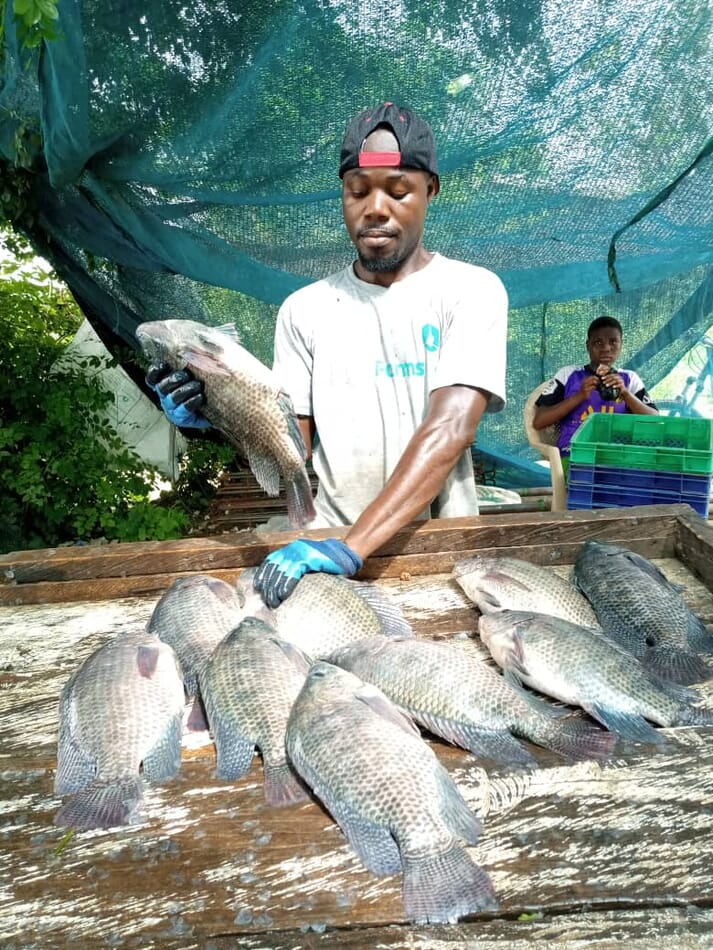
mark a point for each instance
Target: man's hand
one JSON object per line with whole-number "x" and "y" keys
{"x": 278, "y": 574}
{"x": 181, "y": 395}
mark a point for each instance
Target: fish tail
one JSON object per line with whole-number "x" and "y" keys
{"x": 300, "y": 504}
{"x": 679, "y": 666}
{"x": 700, "y": 639}
{"x": 102, "y": 805}
{"x": 283, "y": 787}
{"x": 441, "y": 888}
{"x": 578, "y": 739}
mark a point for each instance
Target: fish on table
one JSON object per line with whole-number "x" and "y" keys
{"x": 192, "y": 616}
{"x": 119, "y": 724}
{"x": 583, "y": 667}
{"x": 326, "y": 612}
{"x": 459, "y": 697}
{"x": 397, "y": 805}
{"x": 248, "y": 686}
{"x": 509, "y": 583}
{"x": 243, "y": 400}
{"x": 647, "y": 615}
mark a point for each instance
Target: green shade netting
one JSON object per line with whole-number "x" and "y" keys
{"x": 186, "y": 164}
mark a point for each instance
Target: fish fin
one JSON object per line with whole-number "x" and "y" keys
{"x": 455, "y": 811}
{"x": 197, "y": 718}
{"x": 164, "y": 760}
{"x": 234, "y": 752}
{"x": 577, "y": 739}
{"x": 283, "y": 786}
{"x": 297, "y": 657}
{"x": 103, "y": 805}
{"x": 382, "y": 706}
{"x": 629, "y": 726}
{"x": 300, "y": 503}
{"x": 147, "y": 660}
{"x": 498, "y": 746}
{"x": 679, "y": 666}
{"x": 265, "y": 469}
{"x": 76, "y": 768}
{"x": 442, "y": 888}
{"x": 284, "y": 402}
{"x": 391, "y": 619}
{"x": 699, "y": 637}
{"x": 373, "y": 843}
{"x": 230, "y": 330}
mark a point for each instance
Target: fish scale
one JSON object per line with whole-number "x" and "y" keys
{"x": 384, "y": 786}
{"x": 119, "y": 711}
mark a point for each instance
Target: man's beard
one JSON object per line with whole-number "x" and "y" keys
{"x": 380, "y": 265}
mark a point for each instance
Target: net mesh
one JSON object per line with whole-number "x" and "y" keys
{"x": 183, "y": 162}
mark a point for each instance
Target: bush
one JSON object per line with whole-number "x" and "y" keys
{"x": 64, "y": 473}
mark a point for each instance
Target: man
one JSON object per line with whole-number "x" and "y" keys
{"x": 575, "y": 392}
{"x": 391, "y": 362}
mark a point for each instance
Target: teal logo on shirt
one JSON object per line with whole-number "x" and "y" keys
{"x": 399, "y": 370}
{"x": 431, "y": 337}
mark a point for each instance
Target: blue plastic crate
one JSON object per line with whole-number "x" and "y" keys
{"x": 581, "y": 495}
{"x": 639, "y": 479}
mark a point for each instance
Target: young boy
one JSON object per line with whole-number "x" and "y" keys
{"x": 577, "y": 391}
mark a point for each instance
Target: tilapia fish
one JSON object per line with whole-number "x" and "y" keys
{"x": 248, "y": 686}
{"x": 644, "y": 612}
{"x": 396, "y": 804}
{"x": 460, "y": 698}
{"x": 326, "y": 612}
{"x": 508, "y": 583}
{"x": 119, "y": 719}
{"x": 243, "y": 400}
{"x": 193, "y": 616}
{"x": 581, "y": 666}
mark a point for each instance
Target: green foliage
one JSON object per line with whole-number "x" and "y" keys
{"x": 64, "y": 473}
{"x": 35, "y": 21}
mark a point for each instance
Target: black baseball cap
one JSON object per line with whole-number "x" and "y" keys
{"x": 417, "y": 146}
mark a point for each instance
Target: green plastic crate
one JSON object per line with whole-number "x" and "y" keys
{"x": 659, "y": 443}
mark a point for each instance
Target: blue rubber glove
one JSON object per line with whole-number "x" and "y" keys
{"x": 181, "y": 395}
{"x": 278, "y": 574}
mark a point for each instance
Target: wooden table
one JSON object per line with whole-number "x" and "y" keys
{"x": 609, "y": 854}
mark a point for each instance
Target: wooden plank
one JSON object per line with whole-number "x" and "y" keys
{"x": 694, "y": 546}
{"x": 249, "y": 548}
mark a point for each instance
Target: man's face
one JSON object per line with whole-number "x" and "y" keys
{"x": 385, "y": 210}
{"x": 604, "y": 346}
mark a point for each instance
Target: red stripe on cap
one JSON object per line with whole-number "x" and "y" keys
{"x": 372, "y": 159}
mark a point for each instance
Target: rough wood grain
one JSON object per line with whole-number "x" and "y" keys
{"x": 127, "y": 570}
{"x": 613, "y": 852}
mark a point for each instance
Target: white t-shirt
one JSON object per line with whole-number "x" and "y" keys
{"x": 363, "y": 360}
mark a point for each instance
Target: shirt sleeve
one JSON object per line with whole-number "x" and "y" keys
{"x": 554, "y": 391}
{"x": 474, "y": 346}
{"x": 292, "y": 362}
{"x": 636, "y": 386}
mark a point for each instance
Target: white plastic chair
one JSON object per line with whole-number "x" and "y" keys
{"x": 545, "y": 441}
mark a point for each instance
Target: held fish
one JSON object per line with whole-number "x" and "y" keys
{"x": 396, "y": 804}
{"x": 248, "y": 686}
{"x": 326, "y": 612}
{"x": 508, "y": 583}
{"x": 636, "y": 605}
{"x": 244, "y": 401}
{"x": 581, "y": 666}
{"x": 459, "y": 697}
{"x": 119, "y": 722}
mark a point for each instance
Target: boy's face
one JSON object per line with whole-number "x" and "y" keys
{"x": 604, "y": 346}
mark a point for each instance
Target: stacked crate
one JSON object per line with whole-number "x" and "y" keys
{"x": 621, "y": 459}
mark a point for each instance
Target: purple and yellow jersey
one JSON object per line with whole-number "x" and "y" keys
{"x": 568, "y": 380}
